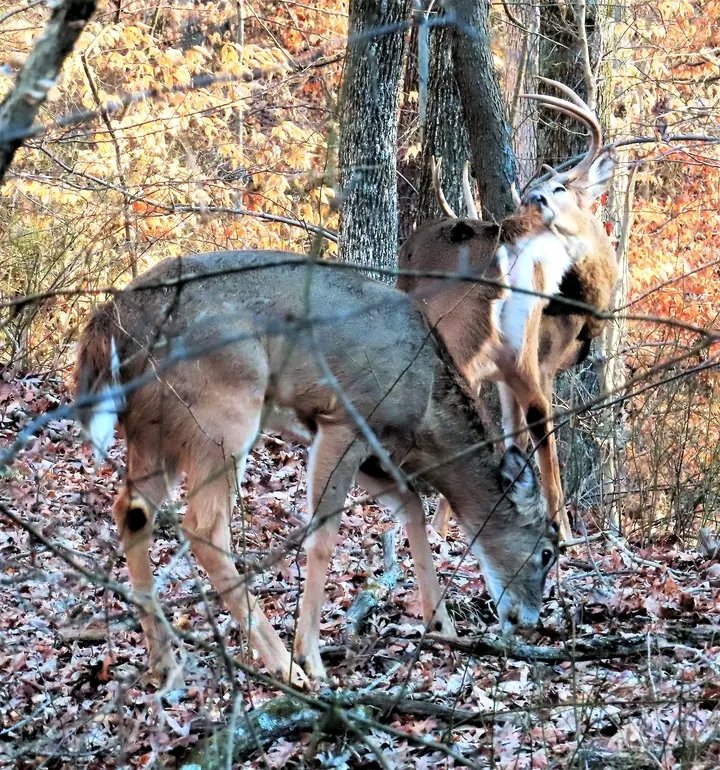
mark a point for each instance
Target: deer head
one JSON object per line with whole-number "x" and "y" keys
{"x": 515, "y": 577}
{"x": 564, "y": 198}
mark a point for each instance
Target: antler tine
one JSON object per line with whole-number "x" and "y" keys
{"x": 576, "y": 108}
{"x": 565, "y": 89}
{"x": 435, "y": 173}
{"x": 467, "y": 192}
{"x": 546, "y": 172}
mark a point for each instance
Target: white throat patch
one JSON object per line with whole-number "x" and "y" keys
{"x": 554, "y": 254}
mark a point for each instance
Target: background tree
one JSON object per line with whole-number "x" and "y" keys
{"x": 483, "y": 108}
{"x": 444, "y": 133}
{"x": 368, "y": 132}
{"x": 517, "y": 40}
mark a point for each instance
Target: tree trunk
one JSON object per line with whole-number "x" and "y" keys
{"x": 611, "y": 370}
{"x": 520, "y": 39}
{"x": 368, "y": 134}
{"x": 409, "y": 162}
{"x": 483, "y": 108}
{"x": 445, "y": 135}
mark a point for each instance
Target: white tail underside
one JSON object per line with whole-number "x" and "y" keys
{"x": 110, "y": 401}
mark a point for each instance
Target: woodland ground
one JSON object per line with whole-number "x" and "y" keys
{"x": 72, "y": 656}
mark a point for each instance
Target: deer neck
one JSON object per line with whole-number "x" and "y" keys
{"x": 470, "y": 483}
{"x": 466, "y": 317}
{"x": 455, "y": 456}
{"x": 532, "y": 265}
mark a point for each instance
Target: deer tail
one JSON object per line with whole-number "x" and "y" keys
{"x": 96, "y": 378}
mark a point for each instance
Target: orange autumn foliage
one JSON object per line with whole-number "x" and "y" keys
{"x": 146, "y": 183}
{"x": 673, "y": 430}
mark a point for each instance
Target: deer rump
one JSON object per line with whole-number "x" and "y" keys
{"x": 199, "y": 353}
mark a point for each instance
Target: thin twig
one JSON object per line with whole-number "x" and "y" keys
{"x": 12, "y": 12}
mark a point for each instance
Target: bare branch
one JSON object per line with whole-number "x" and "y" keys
{"x": 576, "y": 650}
{"x": 588, "y": 74}
{"x": 14, "y": 11}
{"x": 12, "y": 132}
{"x": 171, "y": 209}
{"x": 39, "y": 74}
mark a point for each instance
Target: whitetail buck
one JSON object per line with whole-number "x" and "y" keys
{"x": 199, "y": 354}
{"x": 552, "y": 244}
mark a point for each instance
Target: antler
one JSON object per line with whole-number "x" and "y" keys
{"x": 576, "y": 108}
{"x": 467, "y": 192}
{"x": 442, "y": 200}
{"x": 435, "y": 168}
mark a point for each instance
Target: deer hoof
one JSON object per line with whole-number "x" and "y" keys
{"x": 296, "y": 677}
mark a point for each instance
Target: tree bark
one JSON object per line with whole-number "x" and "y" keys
{"x": 610, "y": 647}
{"x": 285, "y": 716}
{"x": 520, "y": 39}
{"x": 445, "y": 135}
{"x": 39, "y": 74}
{"x": 409, "y": 128}
{"x": 368, "y": 134}
{"x": 611, "y": 369}
{"x": 483, "y": 108}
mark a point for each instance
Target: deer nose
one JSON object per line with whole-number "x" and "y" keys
{"x": 538, "y": 198}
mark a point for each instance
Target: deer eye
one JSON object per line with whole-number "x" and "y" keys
{"x": 546, "y": 557}
{"x": 559, "y": 189}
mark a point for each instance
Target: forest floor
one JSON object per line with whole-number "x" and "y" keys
{"x": 73, "y": 691}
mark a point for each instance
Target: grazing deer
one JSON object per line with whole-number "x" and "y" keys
{"x": 200, "y": 353}
{"x": 552, "y": 244}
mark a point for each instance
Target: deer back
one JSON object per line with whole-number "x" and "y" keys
{"x": 217, "y": 323}
{"x": 465, "y": 312}
{"x": 205, "y": 346}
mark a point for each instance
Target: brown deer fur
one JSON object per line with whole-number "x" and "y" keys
{"x": 452, "y": 306}
{"x": 198, "y": 354}
{"x": 555, "y": 336}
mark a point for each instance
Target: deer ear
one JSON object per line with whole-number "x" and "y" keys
{"x": 518, "y": 475}
{"x": 599, "y": 175}
{"x": 461, "y": 231}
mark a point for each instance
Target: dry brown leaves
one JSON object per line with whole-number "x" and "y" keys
{"x": 72, "y": 659}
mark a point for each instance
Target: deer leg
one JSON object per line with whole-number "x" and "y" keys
{"x": 513, "y": 418}
{"x": 544, "y": 439}
{"x": 207, "y": 525}
{"x": 334, "y": 458}
{"x": 563, "y": 521}
{"x": 528, "y": 392}
{"x": 441, "y": 517}
{"x": 134, "y": 513}
{"x": 408, "y": 507}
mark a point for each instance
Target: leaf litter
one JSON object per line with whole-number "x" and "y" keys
{"x": 73, "y": 692}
